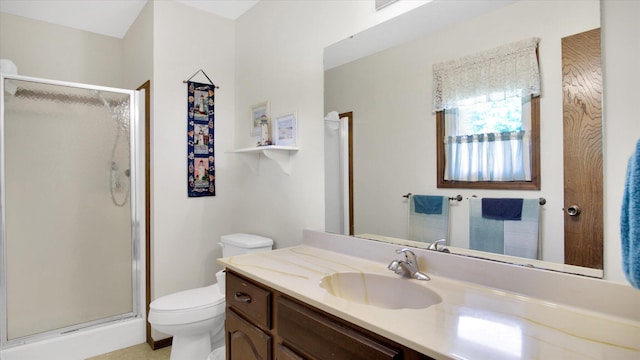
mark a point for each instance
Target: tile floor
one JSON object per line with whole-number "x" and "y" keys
{"x": 137, "y": 352}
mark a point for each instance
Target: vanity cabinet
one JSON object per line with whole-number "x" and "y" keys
{"x": 263, "y": 323}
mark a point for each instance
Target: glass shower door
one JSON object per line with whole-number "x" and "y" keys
{"x": 68, "y": 241}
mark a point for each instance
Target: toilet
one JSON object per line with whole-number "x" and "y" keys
{"x": 195, "y": 318}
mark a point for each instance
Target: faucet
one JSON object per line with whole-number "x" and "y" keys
{"x": 407, "y": 267}
{"x": 434, "y": 246}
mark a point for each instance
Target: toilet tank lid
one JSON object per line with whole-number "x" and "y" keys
{"x": 247, "y": 241}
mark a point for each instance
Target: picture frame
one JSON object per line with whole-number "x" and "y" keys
{"x": 285, "y": 130}
{"x": 257, "y": 112}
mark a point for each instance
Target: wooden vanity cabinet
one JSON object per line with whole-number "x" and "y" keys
{"x": 263, "y": 323}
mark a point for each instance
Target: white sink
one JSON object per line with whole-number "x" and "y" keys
{"x": 390, "y": 292}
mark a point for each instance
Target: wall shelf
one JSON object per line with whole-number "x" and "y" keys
{"x": 280, "y": 154}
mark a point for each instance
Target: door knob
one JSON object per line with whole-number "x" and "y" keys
{"x": 573, "y": 210}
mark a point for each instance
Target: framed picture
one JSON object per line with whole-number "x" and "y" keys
{"x": 285, "y": 130}
{"x": 258, "y": 112}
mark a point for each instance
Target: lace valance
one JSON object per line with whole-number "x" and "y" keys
{"x": 506, "y": 71}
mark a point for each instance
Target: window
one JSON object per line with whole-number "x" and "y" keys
{"x": 515, "y": 148}
{"x": 487, "y": 113}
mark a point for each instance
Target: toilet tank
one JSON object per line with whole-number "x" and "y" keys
{"x": 240, "y": 243}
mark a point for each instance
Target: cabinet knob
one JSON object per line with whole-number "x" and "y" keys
{"x": 240, "y": 296}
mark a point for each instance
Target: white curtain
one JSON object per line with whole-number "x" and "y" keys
{"x": 488, "y": 157}
{"x": 509, "y": 70}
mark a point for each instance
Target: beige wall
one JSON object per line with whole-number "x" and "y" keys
{"x": 186, "y": 231}
{"x": 137, "y": 49}
{"x": 49, "y": 51}
{"x": 279, "y": 58}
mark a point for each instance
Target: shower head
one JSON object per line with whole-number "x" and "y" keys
{"x": 103, "y": 100}
{"x": 119, "y": 111}
{"x": 332, "y": 120}
{"x": 332, "y": 116}
{"x": 8, "y": 67}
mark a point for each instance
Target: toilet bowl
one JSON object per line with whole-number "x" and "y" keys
{"x": 195, "y": 318}
{"x": 191, "y": 316}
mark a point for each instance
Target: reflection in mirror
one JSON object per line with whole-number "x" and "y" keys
{"x": 389, "y": 94}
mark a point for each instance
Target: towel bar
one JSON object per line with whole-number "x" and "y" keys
{"x": 457, "y": 198}
{"x": 542, "y": 200}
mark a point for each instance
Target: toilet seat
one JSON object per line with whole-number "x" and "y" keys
{"x": 187, "y": 306}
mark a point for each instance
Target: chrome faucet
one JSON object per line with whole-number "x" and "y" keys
{"x": 434, "y": 246}
{"x": 407, "y": 267}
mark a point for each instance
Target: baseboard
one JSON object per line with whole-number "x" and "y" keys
{"x": 159, "y": 344}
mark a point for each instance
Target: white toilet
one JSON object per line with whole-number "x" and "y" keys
{"x": 195, "y": 318}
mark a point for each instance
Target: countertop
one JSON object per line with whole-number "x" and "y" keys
{"x": 471, "y": 321}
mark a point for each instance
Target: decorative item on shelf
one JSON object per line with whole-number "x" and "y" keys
{"x": 264, "y": 132}
{"x": 286, "y": 130}
{"x": 259, "y": 112}
{"x": 200, "y": 137}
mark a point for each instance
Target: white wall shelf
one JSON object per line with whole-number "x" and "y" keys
{"x": 280, "y": 154}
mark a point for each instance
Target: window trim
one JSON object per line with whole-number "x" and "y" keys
{"x": 535, "y": 182}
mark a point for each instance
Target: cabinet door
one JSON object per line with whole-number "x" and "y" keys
{"x": 323, "y": 338}
{"x": 245, "y": 341}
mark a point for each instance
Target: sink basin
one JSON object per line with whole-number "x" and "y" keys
{"x": 390, "y": 292}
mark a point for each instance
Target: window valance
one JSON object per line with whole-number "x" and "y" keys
{"x": 506, "y": 71}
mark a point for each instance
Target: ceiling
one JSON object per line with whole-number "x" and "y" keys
{"x": 109, "y": 17}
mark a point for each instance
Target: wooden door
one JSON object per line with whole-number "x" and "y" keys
{"x": 582, "y": 114}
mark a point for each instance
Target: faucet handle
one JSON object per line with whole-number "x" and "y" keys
{"x": 408, "y": 254}
{"x": 393, "y": 265}
{"x": 434, "y": 245}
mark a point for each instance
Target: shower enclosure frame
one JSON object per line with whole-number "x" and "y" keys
{"x": 136, "y": 186}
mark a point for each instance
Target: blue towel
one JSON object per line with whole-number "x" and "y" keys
{"x": 429, "y": 227}
{"x": 521, "y": 236}
{"x": 509, "y": 237}
{"x": 427, "y": 204}
{"x": 630, "y": 221}
{"x": 484, "y": 234}
{"x": 502, "y": 209}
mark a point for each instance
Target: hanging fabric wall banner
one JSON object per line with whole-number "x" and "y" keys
{"x": 200, "y": 129}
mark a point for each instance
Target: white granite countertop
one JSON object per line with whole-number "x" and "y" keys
{"x": 471, "y": 321}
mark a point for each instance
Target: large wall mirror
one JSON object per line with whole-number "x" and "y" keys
{"x": 388, "y": 92}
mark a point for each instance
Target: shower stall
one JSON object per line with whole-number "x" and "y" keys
{"x": 70, "y": 243}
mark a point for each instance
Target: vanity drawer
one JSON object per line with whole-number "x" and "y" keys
{"x": 320, "y": 337}
{"x": 249, "y": 299}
